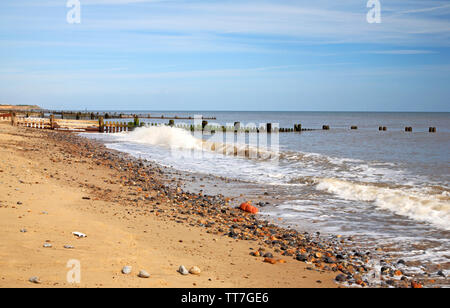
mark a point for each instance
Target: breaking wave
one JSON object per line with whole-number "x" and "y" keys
{"x": 427, "y": 205}
{"x": 181, "y": 139}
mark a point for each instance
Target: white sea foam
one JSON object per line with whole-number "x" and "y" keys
{"x": 413, "y": 203}
{"x": 180, "y": 139}
{"x": 162, "y": 136}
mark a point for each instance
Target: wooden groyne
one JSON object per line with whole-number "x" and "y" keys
{"x": 5, "y": 117}
{"x": 77, "y": 115}
{"x": 57, "y": 124}
{"x": 116, "y": 127}
{"x": 100, "y": 125}
{"x": 69, "y": 125}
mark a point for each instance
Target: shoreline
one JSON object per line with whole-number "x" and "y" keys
{"x": 135, "y": 214}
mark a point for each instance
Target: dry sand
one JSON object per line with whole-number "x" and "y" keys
{"x": 49, "y": 186}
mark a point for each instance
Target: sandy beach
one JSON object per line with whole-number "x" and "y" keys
{"x": 50, "y": 188}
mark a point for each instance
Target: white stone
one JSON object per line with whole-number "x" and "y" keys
{"x": 126, "y": 270}
{"x": 183, "y": 271}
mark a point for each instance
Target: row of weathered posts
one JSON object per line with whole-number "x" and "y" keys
{"x": 117, "y": 127}
{"x": 77, "y": 115}
{"x": 70, "y": 125}
{"x": 269, "y": 127}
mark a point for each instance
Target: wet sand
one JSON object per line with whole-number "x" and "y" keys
{"x": 51, "y": 186}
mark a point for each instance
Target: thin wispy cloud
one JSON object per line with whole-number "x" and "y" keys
{"x": 402, "y": 52}
{"x": 298, "y": 20}
{"x": 442, "y": 9}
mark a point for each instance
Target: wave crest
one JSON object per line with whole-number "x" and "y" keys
{"x": 418, "y": 205}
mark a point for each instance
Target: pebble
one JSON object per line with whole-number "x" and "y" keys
{"x": 182, "y": 270}
{"x": 328, "y": 260}
{"x": 23, "y": 230}
{"x": 143, "y": 274}
{"x": 34, "y": 280}
{"x": 47, "y": 245}
{"x": 270, "y": 260}
{"x": 126, "y": 270}
{"x": 401, "y": 261}
{"x": 340, "y": 278}
{"x": 302, "y": 257}
{"x": 68, "y": 247}
{"x": 195, "y": 270}
{"x": 79, "y": 234}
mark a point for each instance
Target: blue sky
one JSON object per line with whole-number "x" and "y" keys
{"x": 226, "y": 55}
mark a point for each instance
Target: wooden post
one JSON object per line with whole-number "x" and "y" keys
{"x": 354, "y": 127}
{"x": 237, "y": 126}
{"x": 13, "y": 119}
{"x": 269, "y": 128}
{"x": 326, "y": 127}
{"x": 52, "y": 121}
{"x": 101, "y": 125}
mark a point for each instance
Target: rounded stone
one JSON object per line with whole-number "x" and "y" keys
{"x": 143, "y": 274}
{"x": 302, "y": 257}
{"x": 340, "y": 278}
{"x": 126, "y": 270}
{"x": 34, "y": 280}
{"x": 182, "y": 270}
{"x": 195, "y": 270}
